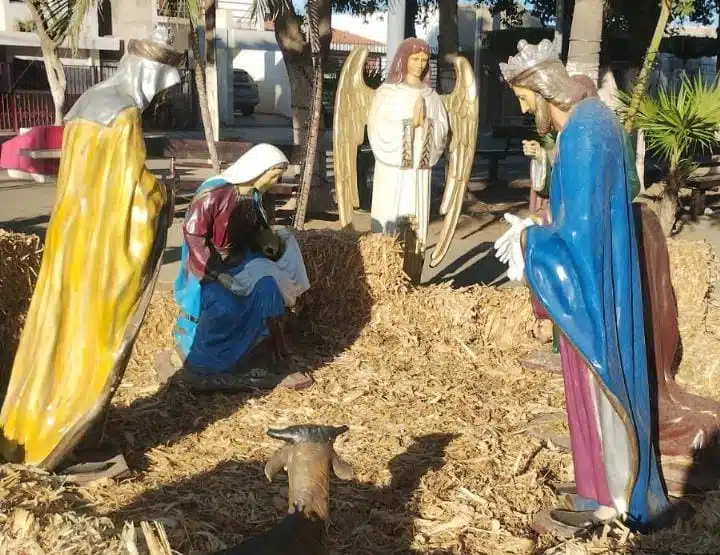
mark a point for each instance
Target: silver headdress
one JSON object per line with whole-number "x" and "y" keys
{"x": 528, "y": 58}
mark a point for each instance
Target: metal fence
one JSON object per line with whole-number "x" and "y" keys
{"x": 26, "y": 101}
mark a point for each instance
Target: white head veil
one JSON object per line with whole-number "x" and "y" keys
{"x": 255, "y": 162}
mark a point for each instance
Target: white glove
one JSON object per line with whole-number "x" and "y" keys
{"x": 509, "y": 248}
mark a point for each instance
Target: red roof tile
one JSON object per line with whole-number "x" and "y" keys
{"x": 342, "y": 37}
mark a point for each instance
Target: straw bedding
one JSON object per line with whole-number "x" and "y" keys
{"x": 429, "y": 383}
{"x": 19, "y": 261}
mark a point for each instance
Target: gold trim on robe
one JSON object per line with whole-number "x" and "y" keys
{"x": 102, "y": 251}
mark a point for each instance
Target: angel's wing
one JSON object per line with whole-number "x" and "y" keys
{"x": 352, "y": 107}
{"x": 463, "y": 109}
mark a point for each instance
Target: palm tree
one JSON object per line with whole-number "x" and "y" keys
{"x": 56, "y": 21}
{"x": 299, "y": 54}
{"x": 586, "y": 38}
{"x": 447, "y": 44}
{"x": 201, "y": 16}
{"x": 678, "y": 124}
{"x": 315, "y": 114}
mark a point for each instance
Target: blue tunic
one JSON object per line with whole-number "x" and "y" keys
{"x": 584, "y": 270}
{"x": 217, "y": 328}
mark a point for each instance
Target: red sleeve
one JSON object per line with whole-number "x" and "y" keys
{"x": 197, "y": 231}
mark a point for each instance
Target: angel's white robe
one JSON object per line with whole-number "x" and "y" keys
{"x": 404, "y": 155}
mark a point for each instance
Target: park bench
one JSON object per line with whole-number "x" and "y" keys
{"x": 41, "y": 153}
{"x": 700, "y": 181}
{"x": 185, "y": 191}
{"x": 511, "y": 133}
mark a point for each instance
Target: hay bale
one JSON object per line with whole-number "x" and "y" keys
{"x": 694, "y": 270}
{"x": 39, "y": 515}
{"x": 692, "y": 265}
{"x": 20, "y": 256}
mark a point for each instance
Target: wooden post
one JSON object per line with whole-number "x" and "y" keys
{"x": 413, "y": 252}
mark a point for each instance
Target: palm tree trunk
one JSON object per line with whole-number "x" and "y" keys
{"x": 53, "y": 66}
{"x": 298, "y": 63}
{"x": 56, "y": 79}
{"x": 559, "y": 38}
{"x": 448, "y": 45}
{"x": 208, "y": 13}
{"x": 644, "y": 77}
{"x": 586, "y": 39}
{"x": 669, "y": 202}
{"x": 316, "y": 113}
{"x": 203, "y": 100}
{"x": 640, "y": 159}
{"x": 411, "y": 13}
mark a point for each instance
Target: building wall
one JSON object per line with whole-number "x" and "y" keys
{"x": 241, "y": 11}
{"x": 132, "y": 18}
{"x": 259, "y": 54}
{"x": 14, "y": 12}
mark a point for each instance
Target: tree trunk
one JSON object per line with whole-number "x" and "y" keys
{"x": 644, "y": 78}
{"x": 298, "y": 64}
{"x": 559, "y": 37}
{"x": 316, "y": 113}
{"x": 411, "y": 13}
{"x": 586, "y": 39}
{"x": 640, "y": 159}
{"x": 668, "y": 205}
{"x": 56, "y": 79}
{"x": 717, "y": 35}
{"x": 53, "y": 66}
{"x": 448, "y": 45}
{"x": 211, "y": 85}
{"x": 203, "y": 100}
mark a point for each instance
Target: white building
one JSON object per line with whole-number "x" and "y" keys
{"x": 18, "y": 39}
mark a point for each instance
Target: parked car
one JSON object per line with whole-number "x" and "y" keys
{"x": 245, "y": 92}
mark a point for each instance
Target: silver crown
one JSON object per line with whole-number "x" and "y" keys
{"x": 529, "y": 56}
{"x": 163, "y": 34}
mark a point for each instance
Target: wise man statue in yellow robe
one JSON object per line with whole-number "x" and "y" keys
{"x": 102, "y": 254}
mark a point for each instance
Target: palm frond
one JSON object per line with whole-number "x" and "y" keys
{"x": 679, "y": 122}
{"x": 63, "y": 18}
{"x": 192, "y": 10}
{"x": 269, "y": 8}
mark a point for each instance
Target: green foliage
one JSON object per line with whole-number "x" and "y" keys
{"x": 679, "y": 122}
{"x": 62, "y": 18}
{"x": 186, "y": 9}
{"x": 25, "y": 25}
{"x": 270, "y": 8}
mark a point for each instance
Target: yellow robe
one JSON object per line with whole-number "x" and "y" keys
{"x": 102, "y": 252}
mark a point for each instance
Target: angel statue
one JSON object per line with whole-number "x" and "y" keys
{"x": 410, "y": 126}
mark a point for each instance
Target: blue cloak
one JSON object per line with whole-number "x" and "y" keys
{"x": 216, "y": 328}
{"x": 584, "y": 270}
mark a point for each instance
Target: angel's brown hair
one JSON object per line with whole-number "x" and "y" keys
{"x": 398, "y": 68}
